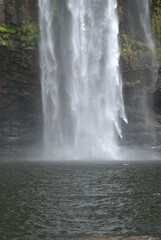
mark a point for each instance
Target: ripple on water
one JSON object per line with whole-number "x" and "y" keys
{"x": 62, "y": 200}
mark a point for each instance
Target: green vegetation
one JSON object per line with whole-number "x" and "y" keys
{"x": 24, "y": 37}
{"x": 127, "y": 55}
{"x": 135, "y": 54}
{"x": 156, "y": 21}
{"x": 158, "y": 50}
{"x": 155, "y": 4}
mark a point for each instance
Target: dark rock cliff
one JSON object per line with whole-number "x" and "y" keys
{"x": 20, "y": 90}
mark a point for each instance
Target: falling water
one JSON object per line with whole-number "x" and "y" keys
{"x": 145, "y": 22}
{"x": 81, "y": 85}
{"x": 144, "y": 14}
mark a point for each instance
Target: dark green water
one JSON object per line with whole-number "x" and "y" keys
{"x": 65, "y": 200}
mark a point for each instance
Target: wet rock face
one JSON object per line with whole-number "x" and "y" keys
{"x": 13, "y": 12}
{"x": 20, "y": 98}
{"x": 20, "y": 88}
{"x": 142, "y": 107}
{"x": 157, "y": 95}
{"x": 2, "y": 12}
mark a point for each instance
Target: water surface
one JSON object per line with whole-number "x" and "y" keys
{"x": 68, "y": 200}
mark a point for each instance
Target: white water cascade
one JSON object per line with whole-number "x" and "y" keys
{"x": 145, "y": 22}
{"x": 81, "y": 83}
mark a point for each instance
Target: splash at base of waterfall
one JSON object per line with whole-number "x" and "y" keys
{"x": 84, "y": 153}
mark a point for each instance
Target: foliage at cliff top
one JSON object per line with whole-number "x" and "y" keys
{"x": 24, "y": 37}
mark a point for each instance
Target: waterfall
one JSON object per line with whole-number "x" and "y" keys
{"x": 144, "y": 15}
{"x": 81, "y": 82}
{"x": 145, "y": 23}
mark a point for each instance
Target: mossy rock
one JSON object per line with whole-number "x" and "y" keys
{"x": 24, "y": 37}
